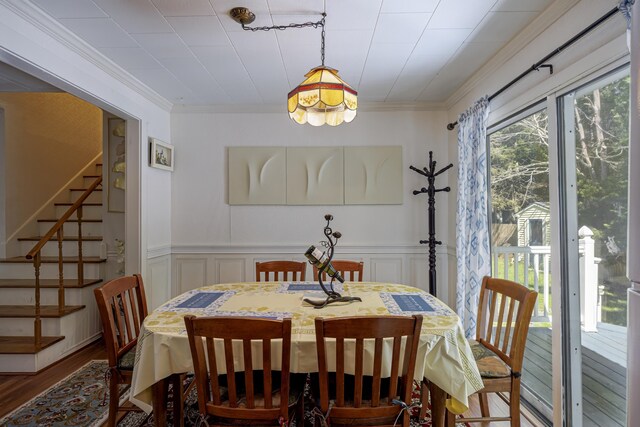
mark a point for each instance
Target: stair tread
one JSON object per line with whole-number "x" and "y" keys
{"x": 54, "y": 239}
{"x": 54, "y": 260}
{"x": 45, "y": 283}
{"x": 70, "y": 220}
{"x": 25, "y": 345}
{"x": 84, "y": 204}
{"x": 30, "y": 311}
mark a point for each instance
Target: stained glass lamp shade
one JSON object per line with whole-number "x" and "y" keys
{"x": 323, "y": 98}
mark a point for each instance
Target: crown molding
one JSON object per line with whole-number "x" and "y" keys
{"x": 47, "y": 24}
{"x": 281, "y": 109}
{"x": 547, "y": 18}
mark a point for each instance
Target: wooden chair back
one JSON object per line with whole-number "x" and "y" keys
{"x": 504, "y": 313}
{"x": 203, "y": 331}
{"x": 349, "y": 270}
{"x": 123, "y": 306}
{"x": 351, "y": 333}
{"x": 281, "y": 270}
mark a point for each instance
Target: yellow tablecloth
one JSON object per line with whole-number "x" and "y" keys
{"x": 444, "y": 356}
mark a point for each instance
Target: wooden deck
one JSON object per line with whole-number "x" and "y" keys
{"x": 604, "y": 372}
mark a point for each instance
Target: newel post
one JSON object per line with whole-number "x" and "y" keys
{"x": 588, "y": 281}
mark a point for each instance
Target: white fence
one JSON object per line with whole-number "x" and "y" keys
{"x": 529, "y": 265}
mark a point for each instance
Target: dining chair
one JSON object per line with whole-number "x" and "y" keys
{"x": 255, "y": 396}
{"x": 504, "y": 312}
{"x": 371, "y": 399}
{"x": 123, "y": 306}
{"x": 354, "y": 268}
{"x": 297, "y": 269}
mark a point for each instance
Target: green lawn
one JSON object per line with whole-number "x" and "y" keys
{"x": 614, "y": 299}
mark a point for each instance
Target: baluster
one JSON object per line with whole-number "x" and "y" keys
{"x": 60, "y": 271}
{"x": 536, "y": 280}
{"x": 37, "y": 326}
{"x": 80, "y": 263}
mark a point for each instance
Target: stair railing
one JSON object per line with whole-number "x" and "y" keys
{"x": 36, "y": 256}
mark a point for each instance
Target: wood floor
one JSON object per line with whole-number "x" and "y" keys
{"x": 604, "y": 373}
{"x": 18, "y": 389}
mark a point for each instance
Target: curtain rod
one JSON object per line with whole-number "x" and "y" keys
{"x": 541, "y": 63}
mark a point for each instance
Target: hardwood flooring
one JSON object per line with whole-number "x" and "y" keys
{"x": 18, "y": 389}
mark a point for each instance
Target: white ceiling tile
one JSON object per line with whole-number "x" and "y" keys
{"x": 384, "y": 63}
{"x": 313, "y": 7}
{"x": 352, "y": 14}
{"x": 130, "y": 57}
{"x": 191, "y": 51}
{"x": 225, "y": 66}
{"x": 521, "y": 6}
{"x": 260, "y": 55}
{"x": 346, "y": 51}
{"x": 293, "y": 37}
{"x": 460, "y": 13}
{"x": 501, "y": 26}
{"x": 166, "y": 84}
{"x": 163, "y": 45}
{"x": 409, "y": 6}
{"x": 100, "y": 32}
{"x": 199, "y": 30}
{"x": 71, "y": 8}
{"x": 469, "y": 58}
{"x": 259, "y": 7}
{"x": 433, "y": 51}
{"x": 193, "y": 75}
{"x": 402, "y": 28}
{"x": 135, "y": 16}
{"x": 184, "y": 7}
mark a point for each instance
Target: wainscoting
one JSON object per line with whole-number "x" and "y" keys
{"x": 193, "y": 267}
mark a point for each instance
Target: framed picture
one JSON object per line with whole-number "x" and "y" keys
{"x": 116, "y": 162}
{"x": 160, "y": 154}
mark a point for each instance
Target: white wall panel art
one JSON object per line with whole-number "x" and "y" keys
{"x": 315, "y": 175}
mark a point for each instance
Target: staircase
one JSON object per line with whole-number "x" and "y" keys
{"x": 40, "y": 320}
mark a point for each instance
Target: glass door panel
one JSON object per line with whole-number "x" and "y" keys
{"x": 520, "y": 235}
{"x": 597, "y": 117}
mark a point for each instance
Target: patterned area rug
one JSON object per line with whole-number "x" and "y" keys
{"x": 192, "y": 418}
{"x": 81, "y": 399}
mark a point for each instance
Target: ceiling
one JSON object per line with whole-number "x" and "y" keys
{"x": 397, "y": 51}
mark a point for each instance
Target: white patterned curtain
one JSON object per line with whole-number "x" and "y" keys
{"x": 625, "y": 7}
{"x": 472, "y": 225}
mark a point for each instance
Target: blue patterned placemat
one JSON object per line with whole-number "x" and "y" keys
{"x": 200, "y": 300}
{"x": 413, "y": 303}
{"x": 196, "y": 300}
{"x": 309, "y": 286}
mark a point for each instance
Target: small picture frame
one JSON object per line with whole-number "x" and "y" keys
{"x": 160, "y": 154}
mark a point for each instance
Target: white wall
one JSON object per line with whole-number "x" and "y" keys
{"x": 35, "y": 43}
{"x": 214, "y": 242}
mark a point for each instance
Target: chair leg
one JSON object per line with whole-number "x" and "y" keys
{"x": 514, "y": 403}
{"x": 450, "y": 419}
{"x": 177, "y": 381}
{"x": 424, "y": 398}
{"x": 114, "y": 398}
{"x": 484, "y": 404}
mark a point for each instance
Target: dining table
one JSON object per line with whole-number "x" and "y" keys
{"x": 444, "y": 356}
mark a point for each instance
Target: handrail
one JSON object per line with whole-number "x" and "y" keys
{"x": 64, "y": 218}
{"x": 36, "y": 255}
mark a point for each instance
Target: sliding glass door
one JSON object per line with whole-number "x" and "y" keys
{"x": 594, "y": 162}
{"x": 521, "y": 232}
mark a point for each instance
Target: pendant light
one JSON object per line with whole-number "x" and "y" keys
{"x": 323, "y": 97}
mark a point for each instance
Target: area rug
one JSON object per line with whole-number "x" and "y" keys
{"x": 81, "y": 399}
{"x": 192, "y": 418}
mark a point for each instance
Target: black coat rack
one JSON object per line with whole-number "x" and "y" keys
{"x": 431, "y": 191}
